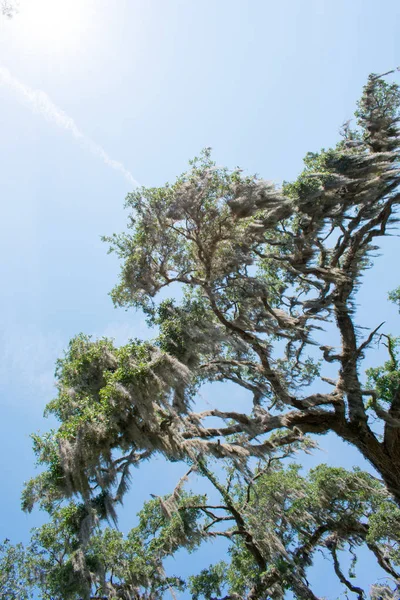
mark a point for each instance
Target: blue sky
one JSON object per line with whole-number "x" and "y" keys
{"x": 151, "y": 83}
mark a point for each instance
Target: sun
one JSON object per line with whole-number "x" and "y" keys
{"x": 53, "y": 25}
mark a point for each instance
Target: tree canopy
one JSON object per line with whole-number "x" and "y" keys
{"x": 274, "y": 522}
{"x": 258, "y": 274}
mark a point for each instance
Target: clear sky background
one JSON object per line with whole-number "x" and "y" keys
{"x": 149, "y": 83}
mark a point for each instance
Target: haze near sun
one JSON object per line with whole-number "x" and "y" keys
{"x": 53, "y": 25}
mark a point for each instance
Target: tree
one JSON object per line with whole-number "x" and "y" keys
{"x": 274, "y": 522}
{"x": 261, "y": 268}
{"x": 262, "y": 272}
{"x": 15, "y": 579}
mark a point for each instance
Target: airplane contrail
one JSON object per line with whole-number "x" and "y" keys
{"x": 40, "y": 103}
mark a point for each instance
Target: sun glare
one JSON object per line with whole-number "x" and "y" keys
{"x": 54, "y": 25}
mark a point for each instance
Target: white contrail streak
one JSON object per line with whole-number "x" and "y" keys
{"x": 40, "y": 103}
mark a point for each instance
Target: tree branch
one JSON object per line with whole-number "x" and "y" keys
{"x": 353, "y": 588}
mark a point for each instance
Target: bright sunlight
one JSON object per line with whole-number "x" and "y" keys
{"x": 53, "y": 25}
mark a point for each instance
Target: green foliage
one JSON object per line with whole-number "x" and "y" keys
{"x": 394, "y": 296}
{"x": 209, "y": 582}
{"x": 275, "y": 524}
{"x": 319, "y": 171}
{"x": 14, "y": 573}
{"x": 187, "y": 332}
{"x": 110, "y": 399}
{"x": 286, "y": 511}
{"x": 378, "y": 111}
{"x": 262, "y": 271}
{"x": 385, "y": 380}
{"x": 169, "y": 224}
{"x": 61, "y": 567}
{"x": 384, "y": 528}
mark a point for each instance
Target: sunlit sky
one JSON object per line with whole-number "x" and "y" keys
{"x": 61, "y": 26}
{"x": 94, "y": 93}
